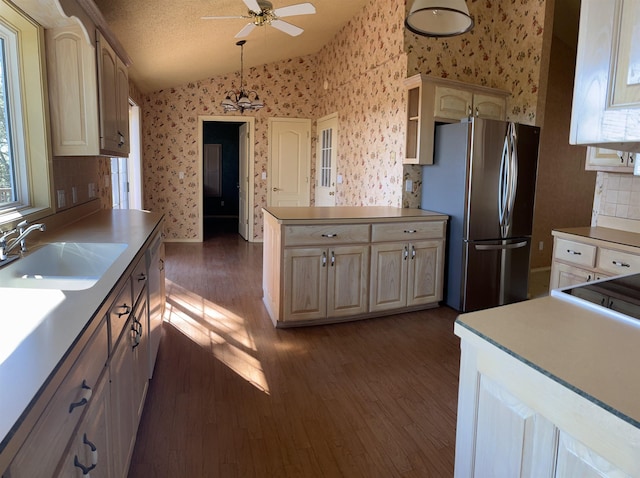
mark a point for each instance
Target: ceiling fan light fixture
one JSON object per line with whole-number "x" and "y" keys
{"x": 439, "y": 18}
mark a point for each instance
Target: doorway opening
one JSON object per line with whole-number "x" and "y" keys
{"x": 226, "y": 146}
{"x": 126, "y": 173}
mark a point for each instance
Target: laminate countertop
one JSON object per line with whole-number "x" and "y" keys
{"x": 38, "y": 327}
{"x": 587, "y": 350}
{"x": 350, "y": 214}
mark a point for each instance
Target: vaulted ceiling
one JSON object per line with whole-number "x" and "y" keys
{"x": 169, "y": 44}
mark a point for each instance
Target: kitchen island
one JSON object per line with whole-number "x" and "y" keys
{"x": 75, "y": 362}
{"x": 548, "y": 388}
{"x": 331, "y": 264}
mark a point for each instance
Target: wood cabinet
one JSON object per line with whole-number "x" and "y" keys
{"x": 73, "y": 92}
{"x": 90, "y": 449}
{"x": 579, "y": 259}
{"x": 89, "y": 95}
{"x": 325, "y": 282}
{"x": 516, "y": 420}
{"x": 602, "y": 159}
{"x": 407, "y": 264}
{"x": 40, "y": 455}
{"x": 606, "y": 97}
{"x": 433, "y": 100}
{"x": 328, "y": 270}
{"x": 113, "y": 83}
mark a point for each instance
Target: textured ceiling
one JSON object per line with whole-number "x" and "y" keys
{"x": 169, "y": 44}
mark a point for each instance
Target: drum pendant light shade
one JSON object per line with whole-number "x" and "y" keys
{"x": 439, "y": 18}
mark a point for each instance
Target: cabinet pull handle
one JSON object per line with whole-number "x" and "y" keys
{"x": 94, "y": 457}
{"x": 574, "y": 253}
{"x": 410, "y": 231}
{"x": 477, "y": 112}
{"x": 620, "y": 264}
{"x": 161, "y": 265}
{"x": 324, "y": 259}
{"x": 120, "y": 139}
{"x": 330, "y": 235}
{"x": 413, "y": 252}
{"x": 136, "y": 329}
{"x": 589, "y": 278}
{"x": 142, "y": 277}
{"x": 406, "y": 253}
{"x": 125, "y": 308}
{"x": 333, "y": 258}
{"x": 86, "y": 395}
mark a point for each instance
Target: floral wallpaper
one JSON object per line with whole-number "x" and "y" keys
{"x": 504, "y": 51}
{"x": 358, "y": 75}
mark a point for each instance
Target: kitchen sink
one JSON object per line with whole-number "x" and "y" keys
{"x": 62, "y": 266}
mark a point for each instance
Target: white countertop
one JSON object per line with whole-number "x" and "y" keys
{"x": 588, "y": 351}
{"x": 350, "y": 214}
{"x": 38, "y": 327}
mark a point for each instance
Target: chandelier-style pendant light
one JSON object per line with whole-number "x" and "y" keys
{"x": 439, "y": 18}
{"x": 240, "y": 100}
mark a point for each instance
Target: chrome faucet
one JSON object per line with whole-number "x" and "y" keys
{"x": 23, "y": 232}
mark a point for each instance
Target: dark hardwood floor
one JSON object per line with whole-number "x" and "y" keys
{"x": 234, "y": 397}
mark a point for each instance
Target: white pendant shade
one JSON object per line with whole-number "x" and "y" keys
{"x": 439, "y": 18}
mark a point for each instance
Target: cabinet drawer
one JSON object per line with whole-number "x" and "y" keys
{"x": 139, "y": 279}
{"x": 119, "y": 312}
{"x": 575, "y": 252}
{"x": 325, "y": 234}
{"x": 408, "y": 231}
{"x": 46, "y": 443}
{"x": 617, "y": 262}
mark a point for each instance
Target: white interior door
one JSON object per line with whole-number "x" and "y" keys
{"x": 326, "y": 157}
{"x": 243, "y": 182}
{"x": 289, "y": 162}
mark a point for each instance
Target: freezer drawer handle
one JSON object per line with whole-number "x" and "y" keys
{"x": 498, "y": 247}
{"x": 410, "y": 231}
{"x": 620, "y": 264}
{"x": 330, "y": 235}
{"x": 574, "y": 253}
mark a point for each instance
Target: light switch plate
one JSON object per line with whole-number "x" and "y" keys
{"x": 408, "y": 185}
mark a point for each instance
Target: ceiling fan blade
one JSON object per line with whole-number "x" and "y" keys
{"x": 223, "y": 18}
{"x": 292, "y": 30}
{"x": 291, "y": 10}
{"x": 248, "y": 28}
{"x": 253, "y": 5}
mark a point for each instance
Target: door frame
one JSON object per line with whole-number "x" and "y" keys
{"x": 251, "y": 123}
{"x": 333, "y": 117}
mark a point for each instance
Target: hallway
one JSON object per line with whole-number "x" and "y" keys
{"x": 234, "y": 397}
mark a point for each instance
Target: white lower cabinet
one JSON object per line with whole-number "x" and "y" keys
{"x": 514, "y": 421}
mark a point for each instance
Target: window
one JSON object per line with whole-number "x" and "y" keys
{"x": 24, "y": 156}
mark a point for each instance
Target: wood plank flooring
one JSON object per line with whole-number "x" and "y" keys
{"x": 233, "y": 397}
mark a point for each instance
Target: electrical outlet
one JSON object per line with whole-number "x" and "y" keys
{"x": 92, "y": 190}
{"x": 222, "y": 203}
{"x": 541, "y": 245}
{"x": 62, "y": 202}
{"x": 74, "y": 194}
{"x": 181, "y": 175}
{"x": 408, "y": 186}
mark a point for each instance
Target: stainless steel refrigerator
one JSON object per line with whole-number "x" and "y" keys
{"x": 484, "y": 177}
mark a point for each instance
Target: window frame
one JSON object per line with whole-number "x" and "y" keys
{"x": 33, "y": 150}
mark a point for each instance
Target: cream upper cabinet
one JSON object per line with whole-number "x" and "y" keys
{"x": 114, "y": 101}
{"x": 602, "y": 159}
{"x": 606, "y": 98}
{"x": 431, "y": 100}
{"x": 73, "y": 92}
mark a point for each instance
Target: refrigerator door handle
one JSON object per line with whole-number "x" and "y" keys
{"x": 499, "y": 247}
{"x": 513, "y": 171}
{"x": 502, "y": 186}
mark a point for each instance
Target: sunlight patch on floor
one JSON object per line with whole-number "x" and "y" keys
{"x": 216, "y": 328}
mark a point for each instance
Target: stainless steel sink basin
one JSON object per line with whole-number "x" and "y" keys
{"x": 62, "y": 266}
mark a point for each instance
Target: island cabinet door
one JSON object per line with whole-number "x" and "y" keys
{"x": 576, "y": 459}
{"x": 305, "y": 283}
{"x": 389, "y": 264}
{"x": 425, "y": 272}
{"x": 348, "y": 281}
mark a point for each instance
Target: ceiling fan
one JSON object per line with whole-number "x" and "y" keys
{"x": 261, "y": 12}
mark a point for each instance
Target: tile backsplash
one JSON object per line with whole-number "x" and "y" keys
{"x": 617, "y": 195}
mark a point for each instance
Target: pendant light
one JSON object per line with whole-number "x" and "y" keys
{"x": 439, "y": 18}
{"x": 240, "y": 100}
